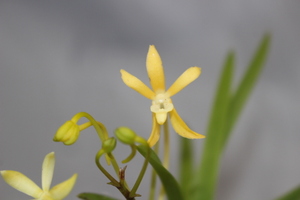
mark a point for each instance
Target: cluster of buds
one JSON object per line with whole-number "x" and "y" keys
{"x": 69, "y": 133}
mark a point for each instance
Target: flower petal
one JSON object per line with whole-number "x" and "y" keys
{"x": 62, "y": 190}
{"x": 47, "y": 171}
{"x": 155, "y": 133}
{"x": 181, "y": 128}
{"x": 136, "y": 84}
{"x": 155, "y": 70}
{"x": 184, "y": 79}
{"x": 21, "y": 182}
{"x": 161, "y": 117}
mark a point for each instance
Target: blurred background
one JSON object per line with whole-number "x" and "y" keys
{"x": 58, "y": 58}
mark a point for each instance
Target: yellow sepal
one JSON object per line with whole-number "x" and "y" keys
{"x": 155, "y": 133}
{"x": 21, "y": 183}
{"x": 184, "y": 79}
{"x": 181, "y": 128}
{"x": 136, "y": 84}
{"x": 155, "y": 70}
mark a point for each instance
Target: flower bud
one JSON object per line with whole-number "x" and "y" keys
{"x": 109, "y": 145}
{"x": 68, "y": 133}
{"x": 125, "y": 135}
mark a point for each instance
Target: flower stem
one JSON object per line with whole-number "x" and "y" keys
{"x": 102, "y": 133}
{"x": 142, "y": 173}
{"x": 114, "y": 182}
{"x": 166, "y": 155}
{"x": 114, "y": 163}
{"x": 99, "y": 127}
{"x": 166, "y": 160}
{"x": 153, "y": 176}
{"x": 120, "y": 186}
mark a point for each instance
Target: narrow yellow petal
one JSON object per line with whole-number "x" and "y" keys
{"x": 181, "y": 128}
{"x": 184, "y": 79}
{"x": 22, "y": 183}
{"x": 161, "y": 117}
{"x": 47, "y": 171}
{"x": 155, "y": 133}
{"x": 136, "y": 84}
{"x": 155, "y": 70}
{"x": 62, "y": 190}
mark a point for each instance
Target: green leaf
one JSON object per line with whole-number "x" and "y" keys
{"x": 246, "y": 85}
{"x": 292, "y": 195}
{"x": 208, "y": 171}
{"x": 186, "y": 166}
{"x": 225, "y": 112}
{"x": 170, "y": 184}
{"x": 94, "y": 196}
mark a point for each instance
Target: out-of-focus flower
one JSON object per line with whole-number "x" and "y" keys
{"x": 22, "y": 183}
{"x": 161, "y": 99}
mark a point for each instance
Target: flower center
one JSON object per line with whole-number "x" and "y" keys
{"x": 161, "y": 105}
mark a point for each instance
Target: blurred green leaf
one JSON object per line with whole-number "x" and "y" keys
{"x": 292, "y": 195}
{"x": 186, "y": 166}
{"x": 93, "y": 196}
{"x": 153, "y": 155}
{"x": 211, "y": 154}
{"x": 225, "y": 112}
{"x": 246, "y": 85}
{"x": 170, "y": 184}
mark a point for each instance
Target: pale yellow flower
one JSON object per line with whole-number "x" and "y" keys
{"x": 22, "y": 183}
{"x": 161, "y": 98}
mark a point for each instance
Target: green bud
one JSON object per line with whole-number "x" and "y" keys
{"x": 68, "y": 133}
{"x": 109, "y": 145}
{"x": 125, "y": 135}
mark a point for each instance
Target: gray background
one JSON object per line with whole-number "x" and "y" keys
{"x": 61, "y": 57}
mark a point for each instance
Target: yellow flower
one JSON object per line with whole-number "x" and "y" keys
{"x": 22, "y": 183}
{"x": 161, "y": 99}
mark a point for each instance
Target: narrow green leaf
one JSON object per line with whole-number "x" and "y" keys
{"x": 246, "y": 85}
{"x": 94, "y": 196}
{"x": 292, "y": 195}
{"x": 186, "y": 166}
{"x": 208, "y": 171}
{"x": 170, "y": 184}
{"x": 225, "y": 112}
{"x": 153, "y": 155}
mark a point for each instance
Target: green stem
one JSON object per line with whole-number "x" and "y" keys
{"x": 141, "y": 175}
{"x": 99, "y": 127}
{"x": 153, "y": 176}
{"x": 114, "y": 163}
{"x": 166, "y": 161}
{"x": 121, "y": 187}
{"x": 114, "y": 182}
{"x": 102, "y": 133}
{"x": 166, "y": 158}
